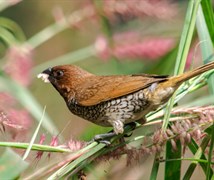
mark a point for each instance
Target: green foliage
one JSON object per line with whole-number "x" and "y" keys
{"x": 12, "y": 165}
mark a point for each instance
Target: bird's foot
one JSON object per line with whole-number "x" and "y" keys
{"x": 128, "y": 135}
{"x": 131, "y": 125}
{"x": 103, "y": 138}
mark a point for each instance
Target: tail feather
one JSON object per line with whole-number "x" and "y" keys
{"x": 195, "y": 72}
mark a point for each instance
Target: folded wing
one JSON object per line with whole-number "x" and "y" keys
{"x": 103, "y": 88}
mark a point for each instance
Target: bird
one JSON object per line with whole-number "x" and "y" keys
{"x": 114, "y": 100}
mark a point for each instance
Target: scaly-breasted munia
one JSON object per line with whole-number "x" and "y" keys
{"x": 114, "y": 100}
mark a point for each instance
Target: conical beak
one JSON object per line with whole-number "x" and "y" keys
{"x": 45, "y": 75}
{"x": 47, "y": 71}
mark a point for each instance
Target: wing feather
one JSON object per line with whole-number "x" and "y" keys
{"x": 103, "y": 88}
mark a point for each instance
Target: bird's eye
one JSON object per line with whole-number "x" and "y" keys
{"x": 58, "y": 73}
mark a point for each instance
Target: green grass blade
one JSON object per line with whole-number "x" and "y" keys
{"x": 93, "y": 148}
{"x": 206, "y": 45}
{"x": 34, "y": 136}
{"x": 198, "y": 151}
{"x": 209, "y": 17}
{"x": 207, "y": 51}
{"x": 155, "y": 168}
{"x": 209, "y": 172}
{"x": 7, "y": 37}
{"x": 46, "y": 34}
{"x": 11, "y": 165}
{"x": 13, "y": 27}
{"x": 183, "y": 49}
{"x": 172, "y": 168}
{"x": 69, "y": 58}
{"x": 35, "y": 147}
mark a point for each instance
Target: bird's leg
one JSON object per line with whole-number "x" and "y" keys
{"x": 133, "y": 126}
{"x": 101, "y": 138}
{"x": 118, "y": 129}
{"x": 118, "y": 126}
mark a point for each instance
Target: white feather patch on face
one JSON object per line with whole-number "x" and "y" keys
{"x": 44, "y": 77}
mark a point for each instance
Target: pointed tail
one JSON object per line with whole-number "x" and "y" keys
{"x": 195, "y": 72}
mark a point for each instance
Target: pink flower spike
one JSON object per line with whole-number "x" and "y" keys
{"x": 42, "y": 139}
{"x": 58, "y": 15}
{"x": 131, "y": 45}
{"x": 20, "y": 117}
{"x": 19, "y": 64}
{"x": 75, "y": 145}
{"x": 39, "y": 155}
{"x": 17, "y": 122}
{"x": 54, "y": 141}
{"x": 140, "y": 8}
{"x": 101, "y": 47}
{"x": 6, "y": 100}
{"x": 144, "y": 49}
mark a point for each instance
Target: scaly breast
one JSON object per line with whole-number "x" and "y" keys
{"x": 128, "y": 108}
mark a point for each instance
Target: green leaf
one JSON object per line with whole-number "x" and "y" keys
{"x": 209, "y": 17}
{"x": 183, "y": 49}
{"x": 69, "y": 58}
{"x": 207, "y": 51}
{"x": 173, "y": 168}
{"x": 198, "y": 154}
{"x": 210, "y": 155}
{"x": 34, "y": 136}
{"x": 7, "y": 37}
{"x": 35, "y": 147}
{"x": 165, "y": 65}
{"x": 206, "y": 43}
{"x": 155, "y": 168}
{"x": 13, "y": 27}
{"x": 11, "y": 165}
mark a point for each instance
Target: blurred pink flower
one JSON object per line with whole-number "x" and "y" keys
{"x": 13, "y": 2}
{"x": 40, "y": 153}
{"x": 58, "y": 15}
{"x": 42, "y": 138}
{"x": 164, "y": 9}
{"x": 6, "y": 100}
{"x": 19, "y": 64}
{"x": 74, "y": 145}
{"x": 102, "y": 48}
{"x": 54, "y": 141}
{"x": 15, "y": 121}
{"x": 131, "y": 46}
{"x": 19, "y": 117}
{"x": 149, "y": 48}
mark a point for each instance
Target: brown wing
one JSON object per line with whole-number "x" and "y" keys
{"x": 103, "y": 88}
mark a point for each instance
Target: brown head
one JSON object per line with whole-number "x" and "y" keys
{"x": 64, "y": 78}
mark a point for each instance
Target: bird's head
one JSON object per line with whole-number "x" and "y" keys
{"x": 64, "y": 78}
